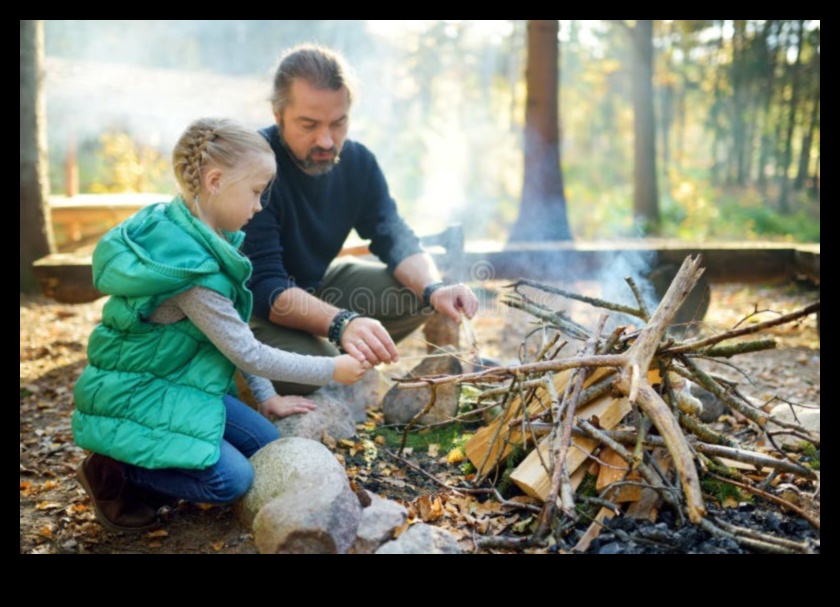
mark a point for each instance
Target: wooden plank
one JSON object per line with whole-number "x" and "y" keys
{"x": 66, "y": 277}
{"x": 614, "y": 469}
{"x": 594, "y": 530}
{"x": 754, "y": 261}
{"x": 647, "y": 506}
{"x": 497, "y": 443}
{"x": 533, "y": 479}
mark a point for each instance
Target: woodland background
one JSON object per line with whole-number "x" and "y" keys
{"x": 697, "y": 130}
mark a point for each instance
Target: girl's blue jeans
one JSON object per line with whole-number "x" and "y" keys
{"x": 246, "y": 431}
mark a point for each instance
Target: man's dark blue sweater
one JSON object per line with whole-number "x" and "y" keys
{"x": 307, "y": 219}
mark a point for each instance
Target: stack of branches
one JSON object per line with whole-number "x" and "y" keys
{"x": 623, "y": 408}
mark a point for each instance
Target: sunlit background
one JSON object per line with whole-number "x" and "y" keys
{"x": 442, "y": 106}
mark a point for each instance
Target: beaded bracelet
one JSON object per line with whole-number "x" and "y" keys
{"x": 338, "y": 324}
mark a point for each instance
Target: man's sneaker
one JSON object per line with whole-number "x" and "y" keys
{"x": 115, "y": 500}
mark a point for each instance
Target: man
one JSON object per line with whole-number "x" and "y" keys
{"x": 326, "y": 186}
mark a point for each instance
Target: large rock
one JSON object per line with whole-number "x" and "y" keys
{"x": 289, "y": 465}
{"x": 380, "y": 520}
{"x": 319, "y": 519}
{"x": 365, "y": 394}
{"x": 331, "y": 416}
{"x": 421, "y": 538}
{"x": 400, "y": 406}
{"x": 796, "y": 414}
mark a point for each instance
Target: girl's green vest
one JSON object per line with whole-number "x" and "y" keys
{"x": 151, "y": 394}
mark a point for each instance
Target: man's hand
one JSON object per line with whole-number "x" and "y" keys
{"x": 451, "y": 300}
{"x": 282, "y": 406}
{"x": 366, "y": 339}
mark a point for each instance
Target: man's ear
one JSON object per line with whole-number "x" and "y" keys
{"x": 212, "y": 180}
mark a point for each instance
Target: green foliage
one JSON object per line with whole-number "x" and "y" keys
{"x": 588, "y": 488}
{"x": 112, "y": 164}
{"x": 448, "y": 437}
{"x": 127, "y": 166}
{"x": 514, "y": 458}
{"x": 812, "y": 453}
{"x": 721, "y": 491}
{"x": 468, "y": 468}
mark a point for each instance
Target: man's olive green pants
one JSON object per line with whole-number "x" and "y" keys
{"x": 353, "y": 284}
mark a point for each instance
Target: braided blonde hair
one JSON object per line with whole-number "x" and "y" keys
{"x": 216, "y": 142}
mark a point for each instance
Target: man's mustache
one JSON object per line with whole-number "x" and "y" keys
{"x": 320, "y": 150}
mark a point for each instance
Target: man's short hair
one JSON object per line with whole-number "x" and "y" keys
{"x": 321, "y": 67}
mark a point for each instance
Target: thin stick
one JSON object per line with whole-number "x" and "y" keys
{"x": 426, "y": 409}
{"x": 643, "y": 310}
{"x": 785, "y": 318}
{"x": 600, "y": 303}
{"x": 563, "y": 421}
{"x": 499, "y": 374}
{"x": 424, "y": 473}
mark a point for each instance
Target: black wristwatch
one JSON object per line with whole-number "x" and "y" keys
{"x": 431, "y": 288}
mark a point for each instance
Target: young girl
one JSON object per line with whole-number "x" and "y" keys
{"x": 156, "y": 403}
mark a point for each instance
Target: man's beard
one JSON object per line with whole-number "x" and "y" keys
{"x": 309, "y": 165}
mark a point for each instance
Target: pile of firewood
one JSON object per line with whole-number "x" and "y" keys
{"x": 621, "y": 410}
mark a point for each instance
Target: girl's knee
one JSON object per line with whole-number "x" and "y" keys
{"x": 233, "y": 485}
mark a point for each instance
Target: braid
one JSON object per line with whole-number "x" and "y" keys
{"x": 195, "y": 144}
{"x": 216, "y": 142}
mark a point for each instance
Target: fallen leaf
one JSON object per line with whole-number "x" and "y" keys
{"x": 434, "y": 448}
{"x": 155, "y": 544}
{"x": 48, "y": 506}
{"x": 430, "y": 508}
{"x": 399, "y": 530}
{"x": 217, "y": 546}
{"x": 328, "y": 441}
{"x": 49, "y": 485}
{"x": 380, "y": 440}
{"x": 456, "y": 456}
{"x": 157, "y": 533}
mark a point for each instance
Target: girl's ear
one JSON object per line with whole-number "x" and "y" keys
{"x": 212, "y": 180}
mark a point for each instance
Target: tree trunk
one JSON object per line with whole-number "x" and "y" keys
{"x": 645, "y": 192}
{"x": 740, "y": 85}
{"x": 542, "y": 210}
{"x": 784, "y": 195}
{"x": 36, "y": 238}
{"x": 810, "y": 129}
{"x": 770, "y": 58}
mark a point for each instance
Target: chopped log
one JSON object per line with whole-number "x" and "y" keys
{"x": 647, "y": 506}
{"x": 594, "y": 530}
{"x": 491, "y": 444}
{"x": 614, "y": 469}
{"x": 532, "y": 478}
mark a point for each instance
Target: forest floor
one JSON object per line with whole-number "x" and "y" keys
{"x": 56, "y": 515}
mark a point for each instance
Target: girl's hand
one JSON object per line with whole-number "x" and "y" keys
{"x": 348, "y": 370}
{"x": 281, "y": 406}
